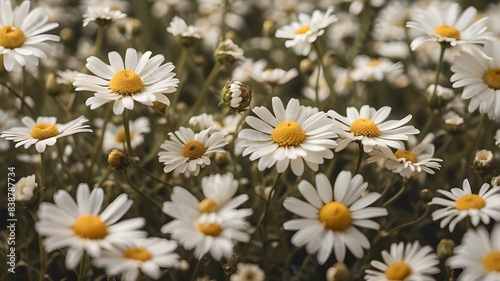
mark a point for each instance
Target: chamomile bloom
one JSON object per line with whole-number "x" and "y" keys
{"x": 214, "y": 233}
{"x": 44, "y": 131}
{"x": 303, "y": 33}
{"x": 405, "y": 262}
{"x": 478, "y": 255}
{"x": 291, "y": 136}
{"x": 114, "y": 136}
{"x": 102, "y": 15}
{"x": 190, "y": 151}
{"x": 22, "y": 38}
{"x": 451, "y": 27}
{"x": 407, "y": 163}
{"x": 82, "y": 226}
{"x": 7, "y": 121}
{"x": 186, "y": 34}
{"x": 462, "y": 203}
{"x": 248, "y": 272}
{"x": 374, "y": 69}
{"x": 145, "y": 255}
{"x": 138, "y": 79}
{"x": 25, "y": 188}
{"x": 330, "y": 216}
{"x": 480, "y": 78}
{"x": 272, "y": 76}
{"x": 369, "y": 127}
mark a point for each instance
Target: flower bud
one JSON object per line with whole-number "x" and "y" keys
{"x": 51, "y": 86}
{"x": 338, "y": 272}
{"x": 236, "y": 96}
{"x": 453, "y": 123}
{"x": 228, "y": 53}
{"x": 118, "y": 160}
{"x": 426, "y": 195}
{"x": 306, "y": 66}
{"x": 483, "y": 162}
{"x": 445, "y": 249}
{"x": 495, "y": 181}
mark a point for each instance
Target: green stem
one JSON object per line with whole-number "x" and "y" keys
{"x": 151, "y": 175}
{"x": 397, "y": 195}
{"x": 83, "y": 265}
{"x": 316, "y": 89}
{"x": 268, "y": 202}
{"x": 24, "y": 103}
{"x": 142, "y": 193}
{"x": 326, "y": 72}
{"x": 411, "y": 222}
{"x": 42, "y": 176}
{"x": 99, "y": 40}
{"x": 43, "y": 254}
{"x": 104, "y": 176}
{"x": 180, "y": 65}
{"x": 470, "y": 151}
{"x": 98, "y": 147}
{"x": 360, "y": 158}
{"x": 126, "y": 125}
{"x": 196, "y": 268}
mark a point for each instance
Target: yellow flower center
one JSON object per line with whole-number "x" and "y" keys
{"x": 447, "y": 31}
{"x": 406, "y": 154}
{"x": 44, "y": 131}
{"x": 126, "y": 83}
{"x": 492, "y": 78}
{"x": 335, "y": 216}
{"x": 90, "y": 227}
{"x": 11, "y": 37}
{"x": 398, "y": 271}
{"x": 365, "y": 127}
{"x": 120, "y": 136}
{"x": 288, "y": 134}
{"x": 303, "y": 29}
{"x": 211, "y": 229}
{"x": 208, "y": 205}
{"x": 471, "y": 201}
{"x": 269, "y": 69}
{"x": 193, "y": 149}
{"x": 374, "y": 62}
{"x": 491, "y": 261}
{"x": 136, "y": 253}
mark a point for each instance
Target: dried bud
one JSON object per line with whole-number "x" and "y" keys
{"x": 426, "y": 195}
{"x": 483, "y": 162}
{"x": 228, "y": 53}
{"x": 495, "y": 181}
{"x": 338, "y": 272}
{"x": 445, "y": 249}
{"x": 118, "y": 160}
{"x": 236, "y": 96}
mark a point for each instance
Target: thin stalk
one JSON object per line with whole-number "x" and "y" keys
{"x": 104, "y": 176}
{"x": 411, "y": 222}
{"x": 24, "y": 103}
{"x": 150, "y": 174}
{"x": 470, "y": 151}
{"x": 196, "y": 268}
{"x": 142, "y": 193}
{"x": 42, "y": 176}
{"x": 98, "y": 146}
{"x": 266, "y": 209}
{"x": 360, "y": 158}
{"x": 326, "y": 71}
{"x": 316, "y": 89}
{"x": 397, "y": 195}
{"x": 126, "y": 125}
{"x": 43, "y": 254}
{"x": 99, "y": 40}
{"x": 83, "y": 265}
{"x": 180, "y": 65}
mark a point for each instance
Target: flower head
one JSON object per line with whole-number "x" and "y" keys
{"x": 114, "y": 136}
{"x": 25, "y": 187}
{"x": 404, "y": 262}
{"x": 102, "y": 15}
{"x": 248, "y": 272}
{"x": 21, "y": 40}
{"x": 137, "y": 78}
{"x": 370, "y": 128}
{"x": 45, "y": 131}
{"x": 291, "y": 137}
{"x": 186, "y": 34}
{"x": 371, "y": 69}
{"x": 303, "y": 33}
{"x": 462, "y": 203}
{"x": 228, "y": 52}
{"x": 236, "y": 95}
{"x": 82, "y": 226}
{"x": 272, "y": 76}
{"x": 330, "y": 216}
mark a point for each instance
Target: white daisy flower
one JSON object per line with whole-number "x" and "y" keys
{"x": 82, "y": 227}
{"x": 310, "y": 90}
{"x": 407, "y": 163}
{"x": 178, "y": 27}
{"x": 7, "y": 121}
{"x": 139, "y": 79}
{"x": 291, "y": 137}
{"x": 145, "y": 254}
{"x": 202, "y": 121}
{"x": 214, "y": 233}
{"x": 370, "y": 69}
{"x": 66, "y": 77}
{"x": 483, "y": 206}
{"x": 450, "y": 27}
{"x": 190, "y": 151}
{"x": 271, "y": 76}
{"x": 114, "y": 136}
{"x": 102, "y": 15}
{"x": 25, "y": 187}
{"x": 405, "y": 262}
{"x": 497, "y": 138}
{"x": 248, "y": 272}
{"x": 236, "y": 95}
{"x": 228, "y": 52}
{"x": 243, "y": 71}
{"x": 45, "y": 131}
{"x": 22, "y": 38}
{"x": 303, "y": 33}
{"x": 480, "y": 78}
{"x": 478, "y": 255}
{"x": 330, "y": 216}
{"x": 368, "y": 127}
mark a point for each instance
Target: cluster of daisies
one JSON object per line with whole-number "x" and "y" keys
{"x": 331, "y": 212}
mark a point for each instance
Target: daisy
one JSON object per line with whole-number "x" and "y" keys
{"x": 82, "y": 227}
{"x": 45, "y": 131}
{"x": 139, "y": 79}
{"x": 303, "y": 33}
{"x": 483, "y": 206}
{"x": 186, "y": 34}
{"x": 228, "y": 52}
{"x": 25, "y": 187}
{"x": 66, "y": 77}
{"x": 7, "y": 121}
{"x": 248, "y": 272}
{"x": 272, "y": 76}
{"x": 202, "y": 121}
{"x": 114, "y": 136}
{"x": 214, "y": 233}
{"x": 190, "y": 151}
{"x": 480, "y": 78}
{"x": 405, "y": 262}
{"x": 146, "y": 255}
{"x": 479, "y": 255}
{"x": 21, "y": 34}
{"x": 370, "y": 69}
{"x": 451, "y": 27}
{"x": 291, "y": 137}
{"x": 102, "y": 15}
{"x": 407, "y": 163}
{"x": 330, "y": 216}
{"x": 368, "y": 127}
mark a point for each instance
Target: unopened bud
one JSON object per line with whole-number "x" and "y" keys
{"x": 426, "y": 195}
{"x": 445, "y": 249}
{"x": 228, "y": 53}
{"x": 118, "y": 160}
{"x": 268, "y": 28}
{"x": 236, "y": 96}
{"x": 338, "y": 272}
{"x": 51, "y": 86}
{"x": 221, "y": 159}
{"x": 495, "y": 181}
{"x": 306, "y": 66}
{"x": 483, "y": 162}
